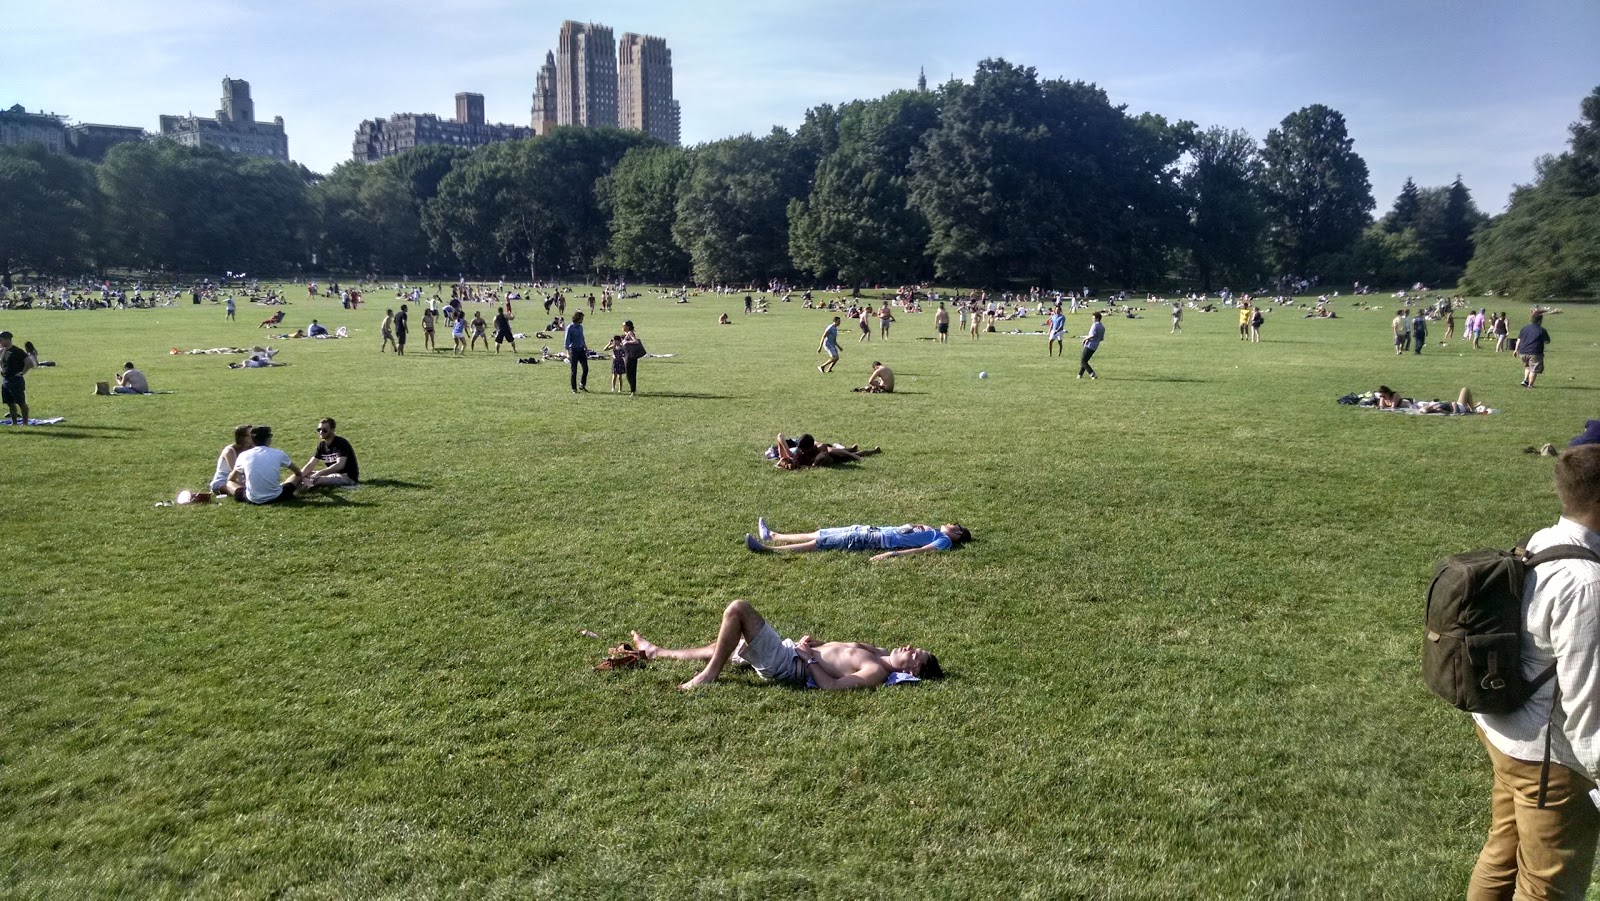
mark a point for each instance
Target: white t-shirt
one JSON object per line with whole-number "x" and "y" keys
{"x": 261, "y": 467}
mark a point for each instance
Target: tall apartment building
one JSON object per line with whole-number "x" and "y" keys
{"x": 544, "y": 97}
{"x": 644, "y": 87}
{"x": 377, "y": 139}
{"x": 18, "y": 126}
{"x": 235, "y": 128}
{"x": 586, "y": 75}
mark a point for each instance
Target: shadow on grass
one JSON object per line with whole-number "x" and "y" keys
{"x": 1152, "y": 378}
{"x": 690, "y": 395}
{"x": 394, "y": 483}
{"x": 64, "y": 430}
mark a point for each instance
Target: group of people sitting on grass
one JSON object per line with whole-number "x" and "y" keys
{"x": 249, "y": 468}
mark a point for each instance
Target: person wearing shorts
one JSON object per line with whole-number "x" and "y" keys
{"x": 14, "y": 362}
{"x": 830, "y": 343}
{"x": 892, "y": 541}
{"x": 1531, "y": 342}
{"x": 745, "y": 637}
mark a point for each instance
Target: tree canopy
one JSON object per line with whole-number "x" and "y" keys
{"x": 1547, "y": 243}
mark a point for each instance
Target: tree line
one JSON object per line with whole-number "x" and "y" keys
{"x": 1006, "y": 179}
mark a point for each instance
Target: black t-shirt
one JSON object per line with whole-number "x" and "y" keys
{"x": 401, "y": 324}
{"x": 13, "y": 362}
{"x": 330, "y": 451}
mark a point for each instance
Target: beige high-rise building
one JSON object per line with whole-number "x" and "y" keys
{"x": 644, "y": 87}
{"x": 544, "y": 97}
{"x": 586, "y": 75}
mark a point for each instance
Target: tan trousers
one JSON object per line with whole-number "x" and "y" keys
{"x": 1531, "y": 853}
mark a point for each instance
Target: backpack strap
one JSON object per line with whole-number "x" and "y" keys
{"x": 1560, "y": 552}
{"x": 1549, "y": 729}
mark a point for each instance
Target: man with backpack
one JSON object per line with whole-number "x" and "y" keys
{"x": 1544, "y": 823}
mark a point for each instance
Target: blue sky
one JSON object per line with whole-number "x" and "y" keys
{"x": 1430, "y": 88}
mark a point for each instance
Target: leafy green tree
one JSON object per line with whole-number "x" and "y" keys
{"x": 1046, "y": 180}
{"x": 732, "y": 210}
{"x": 529, "y": 203}
{"x": 1547, "y": 243}
{"x": 49, "y": 207}
{"x": 1407, "y": 208}
{"x": 858, "y": 222}
{"x": 1226, "y": 214}
{"x": 1317, "y": 189}
{"x": 641, "y": 197}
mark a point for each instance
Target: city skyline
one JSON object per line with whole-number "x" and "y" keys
{"x": 1429, "y": 89}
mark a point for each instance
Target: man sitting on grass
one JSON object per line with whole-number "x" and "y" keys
{"x": 745, "y": 637}
{"x": 131, "y": 381}
{"x": 895, "y": 541}
{"x": 338, "y": 459}
{"x": 256, "y": 471}
{"x": 880, "y": 382}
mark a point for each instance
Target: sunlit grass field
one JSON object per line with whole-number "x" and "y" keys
{"x": 1182, "y": 654}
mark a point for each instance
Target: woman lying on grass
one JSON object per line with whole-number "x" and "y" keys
{"x": 1462, "y": 405}
{"x": 894, "y": 541}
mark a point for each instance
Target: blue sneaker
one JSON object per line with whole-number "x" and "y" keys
{"x": 754, "y": 545}
{"x": 762, "y": 530}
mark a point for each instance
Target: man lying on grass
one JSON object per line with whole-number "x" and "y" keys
{"x": 835, "y": 665}
{"x": 894, "y": 541}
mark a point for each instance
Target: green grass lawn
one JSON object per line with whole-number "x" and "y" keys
{"x": 1182, "y": 653}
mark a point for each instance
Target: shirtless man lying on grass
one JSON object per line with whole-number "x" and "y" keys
{"x": 835, "y": 665}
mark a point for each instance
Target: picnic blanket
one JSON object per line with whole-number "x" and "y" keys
{"x": 37, "y": 421}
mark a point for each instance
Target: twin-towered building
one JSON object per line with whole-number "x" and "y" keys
{"x": 592, "y": 80}
{"x": 588, "y": 80}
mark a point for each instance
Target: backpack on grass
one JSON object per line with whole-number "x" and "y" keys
{"x": 1472, "y": 651}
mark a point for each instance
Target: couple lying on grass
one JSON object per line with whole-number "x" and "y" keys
{"x": 806, "y": 451}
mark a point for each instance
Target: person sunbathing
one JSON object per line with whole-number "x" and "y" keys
{"x": 893, "y": 541}
{"x": 1461, "y": 406}
{"x": 806, "y": 452}
{"x": 745, "y": 637}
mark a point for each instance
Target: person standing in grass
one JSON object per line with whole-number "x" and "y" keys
{"x": 458, "y": 331}
{"x": 633, "y": 352}
{"x": 1056, "y": 329}
{"x": 402, "y": 327}
{"x": 1091, "y": 343}
{"x": 1419, "y": 332}
{"x": 428, "y": 317}
{"x": 745, "y": 637}
{"x": 941, "y": 324}
{"x": 1531, "y": 342}
{"x": 502, "y": 329}
{"x": 387, "y": 329}
{"x": 577, "y": 352}
{"x": 1177, "y": 318}
{"x": 884, "y": 318}
{"x": 1549, "y": 851}
{"x": 1402, "y": 332}
{"x": 231, "y": 308}
{"x": 14, "y": 364}
{"x": 830, "y": 343}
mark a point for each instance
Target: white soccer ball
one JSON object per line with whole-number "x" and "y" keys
{"x": 983, "y": 375}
